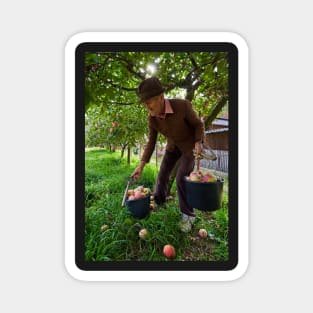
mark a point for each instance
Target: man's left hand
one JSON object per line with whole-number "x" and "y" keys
{"x": 198, "y": 148}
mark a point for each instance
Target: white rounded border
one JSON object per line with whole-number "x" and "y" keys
{"x": 243, "y": 156}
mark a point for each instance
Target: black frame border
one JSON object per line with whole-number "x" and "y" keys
{"x": 80, "y": 157}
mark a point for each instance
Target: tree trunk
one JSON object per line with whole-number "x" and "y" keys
{"x": 128, "y": 155}
{"x": 123, "y": 150}
{"x": 217, "y": 109}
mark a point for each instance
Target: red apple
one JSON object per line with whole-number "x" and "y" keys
{"x": 202, "y": 233}
{"x": 169, "y": 251}
{"x": 138, "y": 195}
{"x": 207, "y": 178}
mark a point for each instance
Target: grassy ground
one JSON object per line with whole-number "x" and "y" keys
{"x": 105, "y": 182}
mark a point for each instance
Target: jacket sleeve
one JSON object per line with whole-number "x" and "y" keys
{"x": 192, "y": 119}
{"x": 150, "y": 145}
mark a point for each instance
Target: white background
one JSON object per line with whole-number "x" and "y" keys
{"x": 32, "y": 273}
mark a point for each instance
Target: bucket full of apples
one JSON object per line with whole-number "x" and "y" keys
{"x": 204, "y": 190}
{"x": 138, "y": 201}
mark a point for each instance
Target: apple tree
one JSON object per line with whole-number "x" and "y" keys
{"x": 111, "y": 80}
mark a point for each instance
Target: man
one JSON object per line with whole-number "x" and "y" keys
{"x": 177, "y": 121}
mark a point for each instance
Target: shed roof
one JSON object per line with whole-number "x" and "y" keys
{"x": 218, "y": 130}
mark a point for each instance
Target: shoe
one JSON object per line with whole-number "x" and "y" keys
{"x": 169, "y": 198}
{"x": 186, "y": 223}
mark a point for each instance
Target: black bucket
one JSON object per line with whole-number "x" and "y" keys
{"x": 139, "y": 208}
{"x": 204, "y": 196}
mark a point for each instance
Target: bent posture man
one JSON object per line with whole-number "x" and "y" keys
{"x": 178, "y": 122}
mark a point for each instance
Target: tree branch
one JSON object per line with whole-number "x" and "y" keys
{"x": 192, "y": 60}
{"x": 216, "y": 110}
{"x": 119, "y": 86}
{"x": 122, "y": 103}
{"x": 130, "y": 67}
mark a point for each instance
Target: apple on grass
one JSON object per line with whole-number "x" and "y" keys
{"x": 202, "y": 233}
{"x": 104, "y": 227}
{"x": 169, "y": 251}
{"x": 143, "y": 234}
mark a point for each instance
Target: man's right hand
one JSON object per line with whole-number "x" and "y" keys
{"x": 137, "y": 173}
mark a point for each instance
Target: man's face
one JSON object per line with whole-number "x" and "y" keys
{"x": 155, "y": 105}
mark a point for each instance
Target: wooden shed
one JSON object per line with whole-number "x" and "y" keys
{"x": 216, "y": 136}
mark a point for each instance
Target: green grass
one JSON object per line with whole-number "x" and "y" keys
{"x": 105, "y": 182}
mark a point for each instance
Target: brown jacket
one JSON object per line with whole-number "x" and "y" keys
{"x": 183, "y": 129}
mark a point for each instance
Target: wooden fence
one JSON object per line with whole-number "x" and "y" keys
{"x": 220, "y": 164}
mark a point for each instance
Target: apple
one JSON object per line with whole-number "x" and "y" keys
{"x": 130, "y": 192}
{"x": 139, "y": 188}
{"x": 202, "y": 233}
{"x": 143, "y": 234}
{"x": 151, "y": 206}
{"x": 195, "y": 176}
{"x": 138, "y": 195}
{"x": 212, "y": 179}
{"x": 169, "y": 251}
{"x": 207, "y": 178}
{"x": 104, "y": 227}
{"x": 146, "y": 191}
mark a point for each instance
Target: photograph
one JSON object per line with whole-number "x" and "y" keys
{"x": 155, "y": 183}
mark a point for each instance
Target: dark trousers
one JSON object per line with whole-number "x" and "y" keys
{"x": 185, "y": 168}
